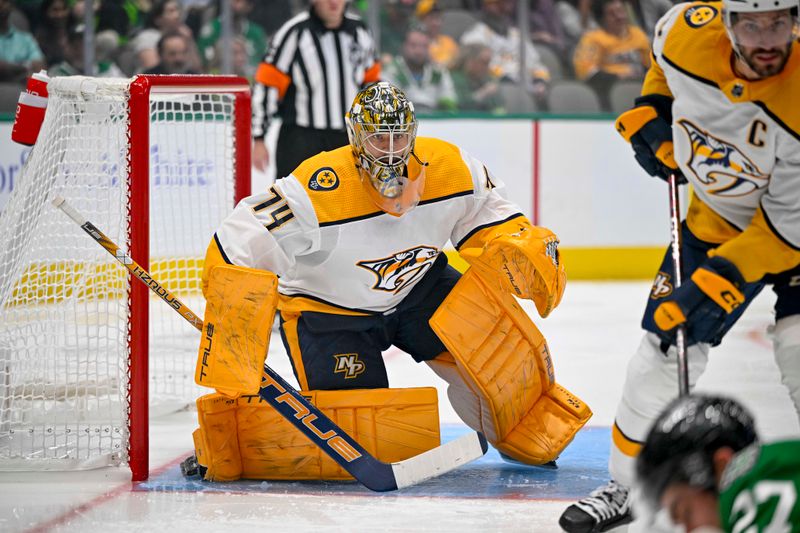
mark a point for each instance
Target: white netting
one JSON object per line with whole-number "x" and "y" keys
{"x": 64, "y": 310}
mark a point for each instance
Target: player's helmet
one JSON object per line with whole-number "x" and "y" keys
{"x": 732, "y": 8}
{"x": 681, "y": 443}
{"x": 382, "y": 129}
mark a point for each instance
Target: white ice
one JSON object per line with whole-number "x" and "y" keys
{"x": 591, "y": 336}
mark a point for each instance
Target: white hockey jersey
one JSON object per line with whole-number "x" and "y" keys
{"x": 736, "y": 141}
{"x": 335, "y": 251}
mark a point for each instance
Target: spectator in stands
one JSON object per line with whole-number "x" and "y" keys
{"x": 576, "y": 19}
{"x": 240, "y": 62}
{"x": 545, "y": 26}
{"x": 165, "y": 17}
{"x": 476, "y": 88}
{"x": 51, "y": 30}
{"x": 396, "y": 16}
{"x": 173, "y": 55}
{"x": 253, "y": 34}
{"x": 617, "y": 50}
{"x": 73, "y": 63}
{"x": 649, "y": 12}
{"x": 311, "y": 101}
{"x": 427, "y": 85}
{"x": 443, "y": 49}
{"x": 20, "y": 55}
{"x": 497, "y": 31}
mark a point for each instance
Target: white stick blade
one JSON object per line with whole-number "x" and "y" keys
{"x": 437, "y": 461}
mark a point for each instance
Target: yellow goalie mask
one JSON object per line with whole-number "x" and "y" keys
{"x": 382, "y": 128}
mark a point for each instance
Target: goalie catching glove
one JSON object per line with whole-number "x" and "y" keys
{"x": 648, "y": 127}
{"x": 526, "y": 264}
{"x": 703, "y": 302}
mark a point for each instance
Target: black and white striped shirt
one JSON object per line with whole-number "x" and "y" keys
{"x": 310, "y": 74}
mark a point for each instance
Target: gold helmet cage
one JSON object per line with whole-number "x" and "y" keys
{"x": 382, "y": 129}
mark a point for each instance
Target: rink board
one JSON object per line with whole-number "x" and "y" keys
{"x": 581, "y": 468}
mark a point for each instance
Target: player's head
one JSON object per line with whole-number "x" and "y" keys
{"x": 686, "y": 451}
{"x": 382, "y": 128}
{"x": 762, "y": 32}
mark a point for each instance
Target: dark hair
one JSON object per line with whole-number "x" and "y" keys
{"x": 598, "y": 9}
{"x": 166, "y": 37}
{"x": 156, "y": 11}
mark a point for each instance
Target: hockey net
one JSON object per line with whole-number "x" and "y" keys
{"x": 155, "y": 163}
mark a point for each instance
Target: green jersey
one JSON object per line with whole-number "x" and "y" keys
{"x": 760, "y": 490}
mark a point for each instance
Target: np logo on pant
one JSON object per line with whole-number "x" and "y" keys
{"x": 349, "y": 364}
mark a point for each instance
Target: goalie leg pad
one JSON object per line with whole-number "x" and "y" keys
{"x": 216, "y": 442}
{"x": 501, "y": 374}
{"x": 391, "y": 424}
{"x": 240, "y": 309}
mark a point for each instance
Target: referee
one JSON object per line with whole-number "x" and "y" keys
{"x": 315, "y": 65}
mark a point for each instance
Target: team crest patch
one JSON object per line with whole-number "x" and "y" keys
{"x": 348, "y": 364}
{"x": 721, "y": 168}
{"x": 697, "y": 16}
{"x": 397, "y": 271}
{"x": 662, "y": 286}
{"x": 324, "y": 179}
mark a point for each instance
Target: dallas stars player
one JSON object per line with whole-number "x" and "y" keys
{"x": 718, "y": 108}
{"x": 702, "y": 463}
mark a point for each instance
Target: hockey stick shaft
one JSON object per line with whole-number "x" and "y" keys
{"x": 292, "y": 405}
{"x": 677, "y": 267}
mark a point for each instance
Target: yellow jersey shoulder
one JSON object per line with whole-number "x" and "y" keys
{"x": 333, "y": 186}
{"x": 446, "y": 173}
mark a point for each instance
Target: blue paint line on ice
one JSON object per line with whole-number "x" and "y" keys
{"x": 581, "y": 468}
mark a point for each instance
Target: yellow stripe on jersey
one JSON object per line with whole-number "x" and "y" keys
{"x": 703, "y": 51}
{"x": 340, "y": 196}
{"x": 629, "y": 447}
{"x": 774, "y": 255}
{"x": 707, "y": 225}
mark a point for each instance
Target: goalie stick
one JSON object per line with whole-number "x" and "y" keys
{"x": 313, "y": 423}
{"x": 676, "y": 242}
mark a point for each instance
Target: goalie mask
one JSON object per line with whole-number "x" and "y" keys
{"x": 762, "y": 32}
{"x": 680, "y": 446}
{"x": 382, "y": 128}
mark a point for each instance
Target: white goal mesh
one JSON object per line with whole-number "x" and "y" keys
{"x": 65, "y": 306}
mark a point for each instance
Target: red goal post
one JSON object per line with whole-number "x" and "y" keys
{"x": 156, "y": 162}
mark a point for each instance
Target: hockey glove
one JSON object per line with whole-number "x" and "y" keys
{"x": 526, "y": 264}
{"x": 650, "y": 135}
{"x": 703, "y": 302}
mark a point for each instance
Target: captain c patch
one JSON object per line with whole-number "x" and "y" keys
{"x": 697, "y": 16}
{"x": 324, "y": 179}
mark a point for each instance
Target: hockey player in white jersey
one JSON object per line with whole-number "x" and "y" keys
{"x": 355, "y": 236}
{"x": 719, "y": 107}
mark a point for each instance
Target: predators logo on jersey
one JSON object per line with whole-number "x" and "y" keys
{"x": 398, "y": 270}
{"x": 349, "y": 364}
{"x": 720, "y": 166}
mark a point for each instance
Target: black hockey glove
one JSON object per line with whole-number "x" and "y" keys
{"x": 648, "y": 128}
{"x": 703, "y": 302}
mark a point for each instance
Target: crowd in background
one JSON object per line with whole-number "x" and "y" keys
{"x": 448, "y": 55}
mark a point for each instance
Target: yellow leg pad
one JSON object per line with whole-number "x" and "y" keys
{"x": 216, "y": 442}
{"x": 503, "y": 360}
{"x": 547, "y": 428}
{"x": 391, "y": 424}
{"x": 240, "y": 309}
